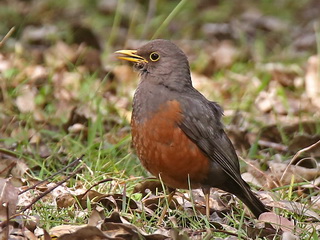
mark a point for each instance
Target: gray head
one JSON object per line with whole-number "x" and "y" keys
{"x": 160, "y": 60}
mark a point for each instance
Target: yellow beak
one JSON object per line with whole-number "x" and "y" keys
{"x": 130, "y": 55}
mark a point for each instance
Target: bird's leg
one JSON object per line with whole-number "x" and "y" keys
{"x": 206, "y": 192}
{"x": 166, "y": 205}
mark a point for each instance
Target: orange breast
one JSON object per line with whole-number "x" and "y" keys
{"x": 165, "y": 151}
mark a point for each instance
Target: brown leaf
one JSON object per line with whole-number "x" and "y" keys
{"x": 125, "y": 74}
{"x": 237, "y": 132}
{"x": 297, "y": 208}
{"x": 66, "y": 85}
{"x": 274, "y": 132}
{"x": 299, "y": 173}
{"x": 90, "y": 195}
{"x": 277, "y": 221}
{"x": 38, "y": 34}
{"x": 202, "y": 83}
{"x": 36, "y": 73}
{"x": 313, "y": 81}
{"x": 224, "y": 55}
{"x": 5, "y": 63}
{"x": 8, "y": 199}
{"x": 65, "y": 200}
{"x": 304, "y": 140}
{"x": 250, "y": 178}
{"x": 15, "y": 167}
{"x": 154, "y": 202}
{"x": 128, "y": 231}
{"x": 116, "y": 201}
{"x": 150, "y": 184}
{"x": 283, "y": 74}
{"x": 70, "y": 232}
{"x": 269, "y": 100}
{"x": 26, "y": 99}
{"x": 96, "y": 216}
{"x": 216, "y": 204}
{"x": 60, "y": 55}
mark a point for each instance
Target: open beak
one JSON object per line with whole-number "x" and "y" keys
{"x": 130, "y": 55}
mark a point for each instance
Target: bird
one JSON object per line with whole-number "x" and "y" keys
{"x": 177, "y": 133}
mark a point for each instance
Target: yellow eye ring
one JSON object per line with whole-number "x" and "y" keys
{"x": 154, "y": 56}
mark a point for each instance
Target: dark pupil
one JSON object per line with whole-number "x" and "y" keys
{"x": 154, "y": 56}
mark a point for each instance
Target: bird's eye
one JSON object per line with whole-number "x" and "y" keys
{"x": 154, "y": 56}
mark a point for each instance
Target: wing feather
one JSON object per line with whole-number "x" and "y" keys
{"x": 201, "y": 123}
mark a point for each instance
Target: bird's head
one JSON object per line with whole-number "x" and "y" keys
{"x": 158, "y": 58}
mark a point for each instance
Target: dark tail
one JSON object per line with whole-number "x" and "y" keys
{"x": 244, "y": 193}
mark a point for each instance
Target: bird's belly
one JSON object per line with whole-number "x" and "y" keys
{"x": 166, "y": 152}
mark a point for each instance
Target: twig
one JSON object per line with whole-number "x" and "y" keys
{"x": 60, "y": 171}
{"x": 298, "y": 155}
{"x": 258, "y": 170}
{"x": 96, "y": 184}
{"x": 273, "y": 145}
{"x": 39, "y": 197}
{"x": 50, "y": 190}
{"x": 5, "y": 38}
{"x": 10, "y": 166}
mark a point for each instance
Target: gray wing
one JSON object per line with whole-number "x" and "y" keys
{"x": 201, "y": 123}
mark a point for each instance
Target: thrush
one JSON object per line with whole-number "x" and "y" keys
{"x": 177, "y": 133}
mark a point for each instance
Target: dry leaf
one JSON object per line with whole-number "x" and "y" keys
{"x": 26, "y": 99}
{"x": 97, "y": 215}
{"x": 277, "y": 221}
{"x": 11, "y": 166}
{"x": 224, "y": 54}
{"x": 274, "y": 132}
{"x": 298, "y": 173}
{"x": 5, "y": 63}
{"x": 61, "y": 230}
{"x": 65, "y": 200}
{"x": 125, "y": 74}
{"x": 60, "y": 55}
{"x": 301, "y": 141}
{"x": 312, "y": 79}
{"x": 284, "y": 74}
{"x": 297, "y": 208}
{"x": 37, "y": 34}
{"x": 289, "y": 236}
{"x": 147, "y": 185}
{"x": 268, "y": 100}
{"x": 8, "y": 199}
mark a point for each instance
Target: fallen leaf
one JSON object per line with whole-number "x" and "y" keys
{"x": 297, "y": 208}
{"x": 274, "y": 132}
{"x": 65, "y": 200}
{"x": 299, "y": 173}
{"x": 312, "y": 80}
{"x": 283, "y": 74}
{"x": 62, "y": 230}
{"x": 277, "y": 221}
{"x": 147, "y": 185}
{"x": 301, "y": 141}
{"x": 61, "y": 54}
{"x": 8, "y": 199}
{"x": 15, "y": 167}
{"x": 26, "y": 99}
{"x": 224, "y": 54}
{"x": 38, "y": 34}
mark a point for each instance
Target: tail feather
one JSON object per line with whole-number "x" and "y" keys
{"x": 253, "y": 203}
{"x": 244, "y": 193}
